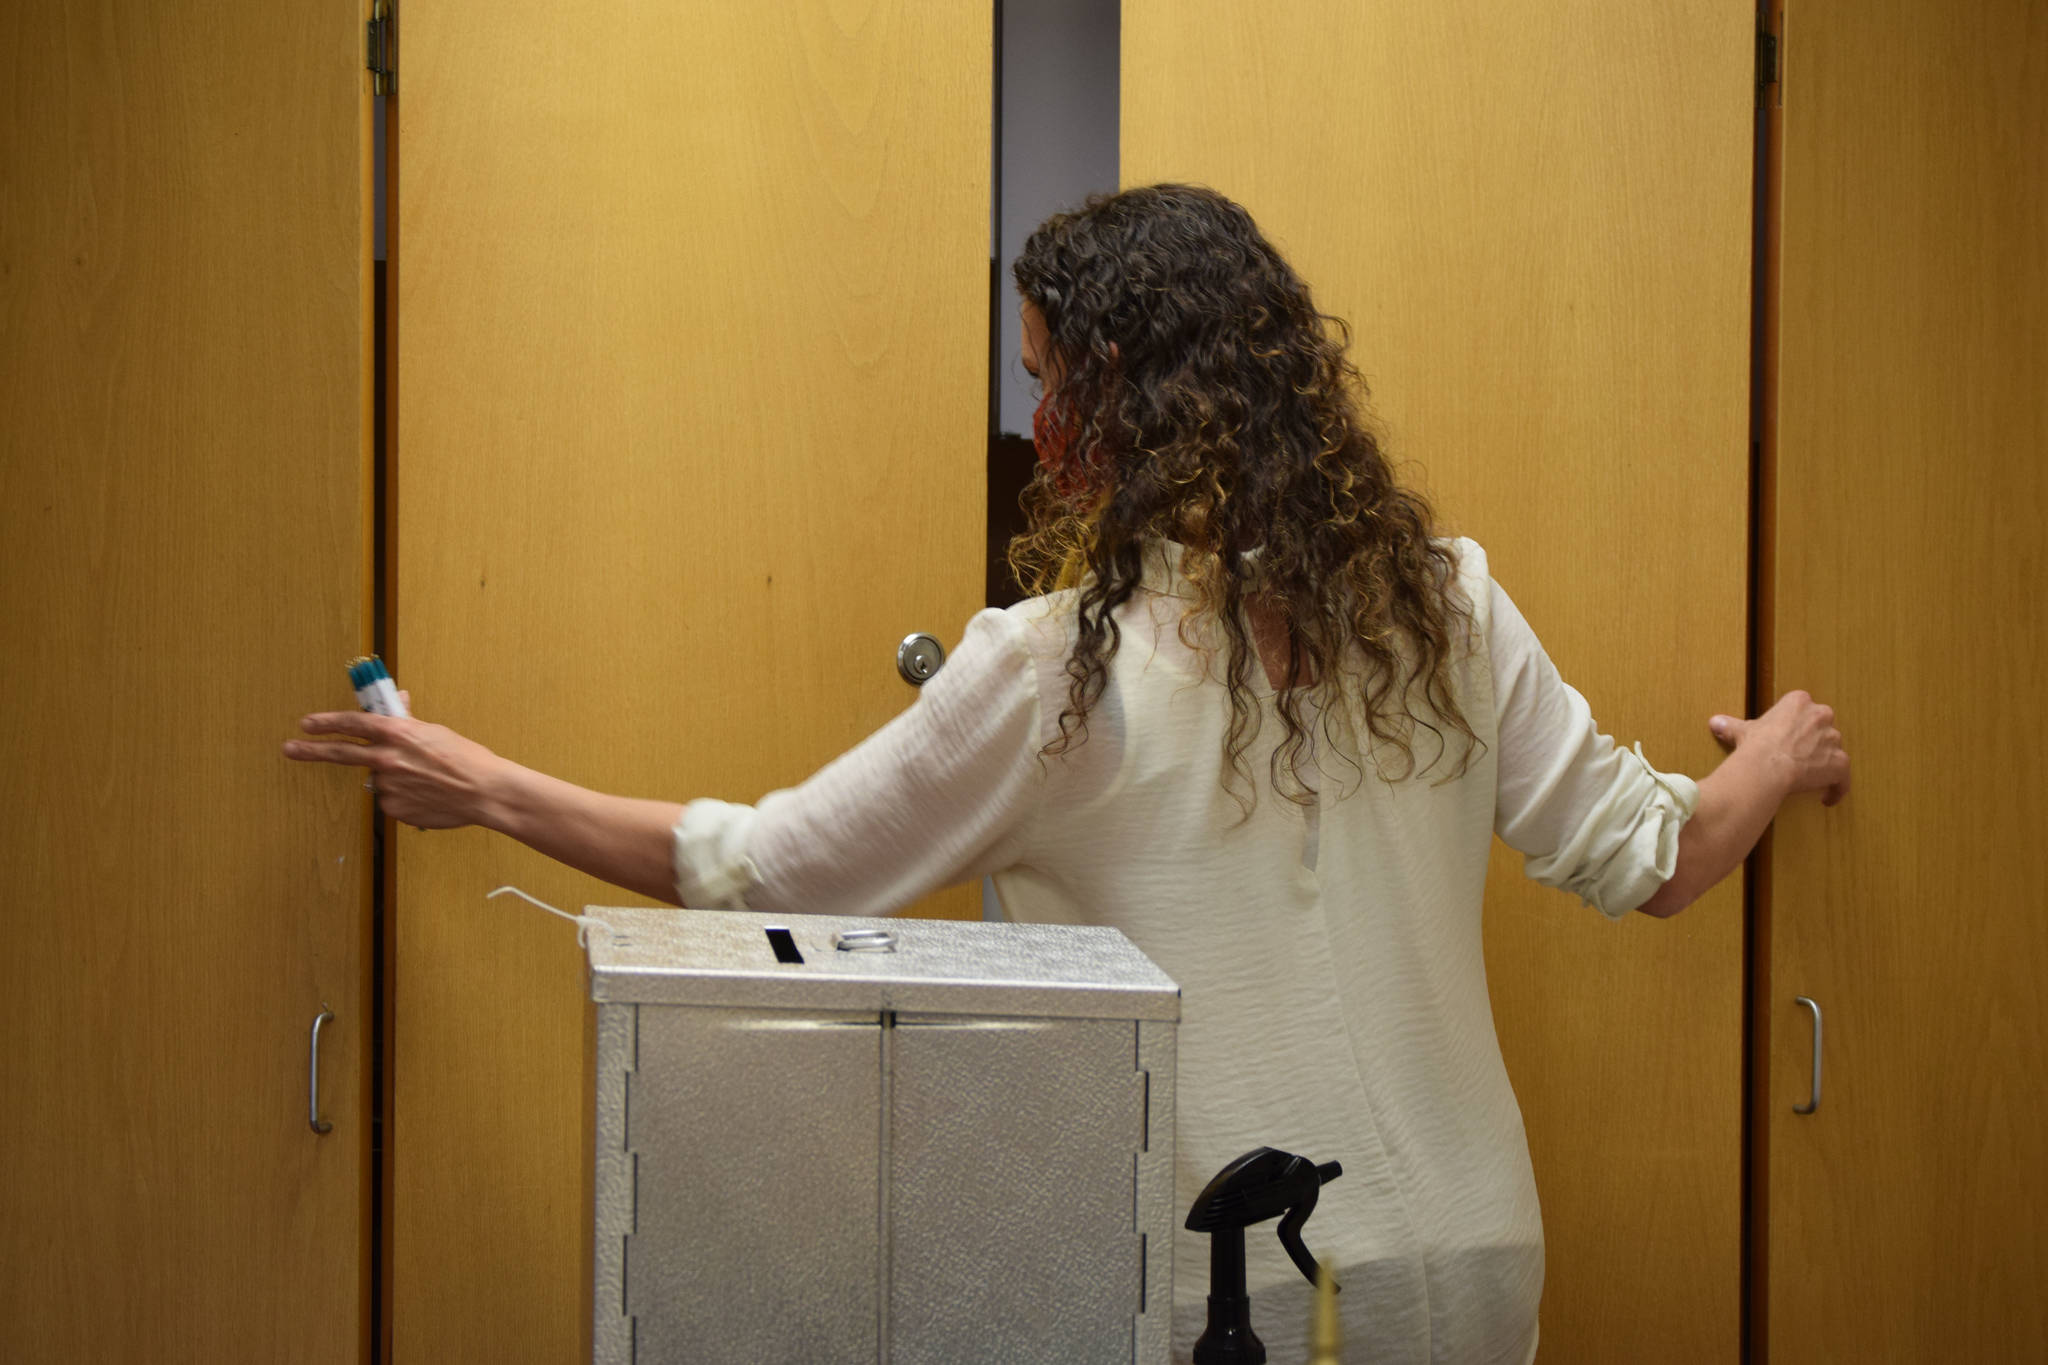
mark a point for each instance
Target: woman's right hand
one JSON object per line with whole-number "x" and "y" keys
{"x": 1799, "y": 738}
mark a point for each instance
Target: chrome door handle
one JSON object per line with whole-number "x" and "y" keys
{"x": 1813, "y": 1099}
{"x": 313, "y": 1119}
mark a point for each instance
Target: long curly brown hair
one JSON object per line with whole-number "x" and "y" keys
{"x": 1206, "y": 401}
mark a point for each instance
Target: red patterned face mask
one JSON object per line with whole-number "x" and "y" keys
{"x": 1054, "y": 433}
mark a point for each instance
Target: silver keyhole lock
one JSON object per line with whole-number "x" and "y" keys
{"x": 918, "y": 658}
{"x": 864, "y": 941}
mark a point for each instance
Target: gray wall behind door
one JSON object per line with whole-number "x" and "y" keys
{"x": 1056, "y": 145}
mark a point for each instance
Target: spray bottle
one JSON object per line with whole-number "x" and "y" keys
{"x": 1258, "y": 1185}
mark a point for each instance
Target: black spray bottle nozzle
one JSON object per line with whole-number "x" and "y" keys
{"x": 1258, "y": 1185}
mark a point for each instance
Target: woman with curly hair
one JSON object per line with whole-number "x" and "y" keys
{"x": 1261, "y": 718}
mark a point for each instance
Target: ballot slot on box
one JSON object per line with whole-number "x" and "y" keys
{"x": 826, "y": 1139}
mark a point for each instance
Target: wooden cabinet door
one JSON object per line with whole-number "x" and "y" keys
{"x": 691, "y": 407}
{"x": 184, "y": 513}
{"x": 1903, "y": 1220}
{"x": 1537, "y": 220}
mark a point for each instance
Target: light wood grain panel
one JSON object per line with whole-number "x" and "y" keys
{"x": 183, "y": 508}
{"x": 1905, "y": 1217}
{"x": 692, "y": 336}
{"x": 1537, "y": 220}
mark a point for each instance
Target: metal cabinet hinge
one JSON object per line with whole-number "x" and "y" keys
{"x": 380, "y": 41}
{"x": 1766, "y": 59}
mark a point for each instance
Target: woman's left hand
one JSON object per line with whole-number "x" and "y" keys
{"x": 423, "y": 774}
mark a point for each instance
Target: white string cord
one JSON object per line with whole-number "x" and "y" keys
{"x": 584, "y": 923}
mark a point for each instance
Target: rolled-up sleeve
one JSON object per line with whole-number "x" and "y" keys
{"x": 1588, "y": 816}
{"x": 940, "y": 794}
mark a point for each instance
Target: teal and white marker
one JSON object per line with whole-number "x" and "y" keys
{"x": 374, "y": 688}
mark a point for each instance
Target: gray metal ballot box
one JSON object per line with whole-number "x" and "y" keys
{"x": 921, "y": 1142}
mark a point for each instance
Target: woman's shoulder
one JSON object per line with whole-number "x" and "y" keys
{"x": 1025, "y": 638}
{"x": 1045, "y": 626}
{"x": 1473, "y": 574}
{"x": 1050, "y": 625}
{"x": 1468, "y": 553}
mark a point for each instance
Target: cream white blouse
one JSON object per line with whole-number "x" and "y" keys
{"x": 1329, "y": 957}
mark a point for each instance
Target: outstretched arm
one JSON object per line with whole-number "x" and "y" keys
{"x": 429, "y": 776}
{"x": 939, "y": 794}
{"x": 1597, "y": 821}
{"x": 1793, "y": 747}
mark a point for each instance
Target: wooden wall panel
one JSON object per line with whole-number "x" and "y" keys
{"x": 184, "y": 515}
{"x": 1537, "y": 221}
{"x": 1903, "y": 1219}
{"x": 692, "y": 422}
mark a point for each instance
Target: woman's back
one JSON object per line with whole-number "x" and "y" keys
{"x": 1334, "y": 994}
